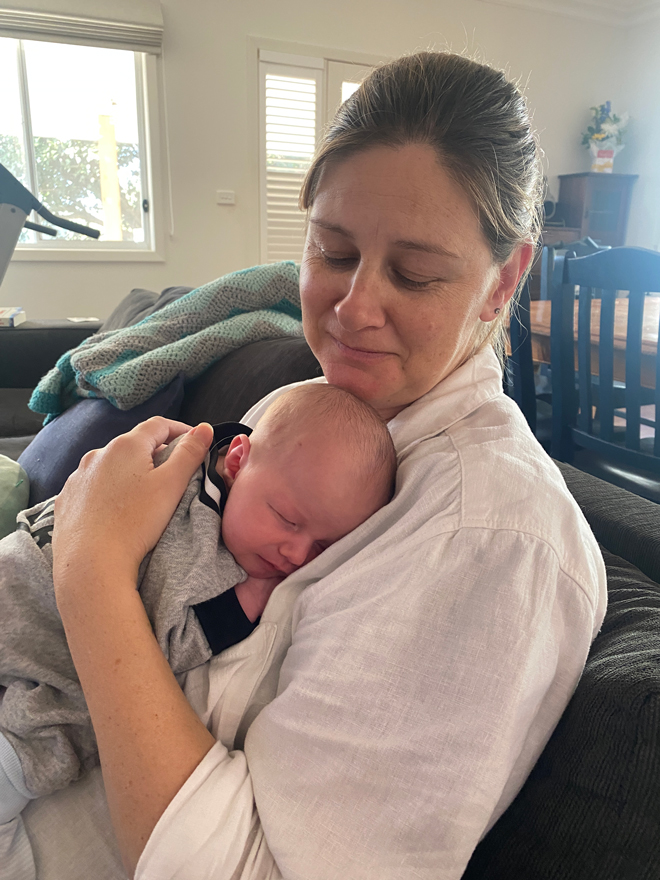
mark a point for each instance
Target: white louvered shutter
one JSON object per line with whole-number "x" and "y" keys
{"x": 291, "y": 116}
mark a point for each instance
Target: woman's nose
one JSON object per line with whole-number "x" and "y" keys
{"x": 362, "y": 306}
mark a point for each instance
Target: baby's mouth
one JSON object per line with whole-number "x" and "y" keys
{"x": 276, "y": 569}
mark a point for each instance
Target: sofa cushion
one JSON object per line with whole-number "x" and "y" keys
{"x": 591, "y": 806}
{"x": 139, "y": 303}
{"x": 57, "y": 449}
{"x": 629, "y": 526}
{"x": 14, "y": 447}
{"x": 225, "y": 391}
{"x": 16, "y": 419}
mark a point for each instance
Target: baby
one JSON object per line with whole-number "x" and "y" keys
{"x": 319, "y": 463}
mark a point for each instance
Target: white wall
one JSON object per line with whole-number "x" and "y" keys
{"x": 211, "y": 99}
{"x": 642, "y": 154}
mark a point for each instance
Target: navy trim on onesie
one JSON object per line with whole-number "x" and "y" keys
{"x": 223, "y": 621}
{"x": 214, "y": 492}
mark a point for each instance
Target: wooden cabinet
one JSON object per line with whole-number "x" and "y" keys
{"x": 597, "y": 204}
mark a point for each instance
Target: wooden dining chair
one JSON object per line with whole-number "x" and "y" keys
{"x": 589, "y": 406}
{"x": 552, "y": 269}
{"x": 519, "y": 373}
{"x": 519, "y": 376}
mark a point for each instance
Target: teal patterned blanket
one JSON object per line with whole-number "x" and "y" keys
{"x": 130, "y": 365}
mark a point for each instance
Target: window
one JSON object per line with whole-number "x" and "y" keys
{"x": 74, "y": 127}
{"x": 298, "y": 95}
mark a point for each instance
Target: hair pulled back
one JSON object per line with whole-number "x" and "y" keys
{"x": 475, "y": 119}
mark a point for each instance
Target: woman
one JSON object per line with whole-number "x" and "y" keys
{"x": 435, "y": 648}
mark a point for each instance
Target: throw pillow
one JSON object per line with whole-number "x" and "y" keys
{"x": 56, "y": 451}
{"x": 14, "y": 491}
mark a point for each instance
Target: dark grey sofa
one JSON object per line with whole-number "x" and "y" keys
{"x": 590, "y": 810}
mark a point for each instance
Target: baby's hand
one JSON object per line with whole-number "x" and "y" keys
{"x": 253, "y": 594}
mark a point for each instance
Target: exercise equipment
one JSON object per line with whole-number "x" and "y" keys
{"x": 16, "y": 204}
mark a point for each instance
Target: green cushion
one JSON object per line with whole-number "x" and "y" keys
{"x": 14, "y": 492}
{"x": 590, "y": 809}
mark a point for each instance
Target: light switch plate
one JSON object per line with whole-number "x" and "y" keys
{"x": 225, "y": 197}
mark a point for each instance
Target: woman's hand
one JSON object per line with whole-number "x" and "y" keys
{"x": 109, "y": 515}
{"x": 117, "y": 504}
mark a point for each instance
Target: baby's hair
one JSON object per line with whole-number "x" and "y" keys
{"x": 362, "y": 432}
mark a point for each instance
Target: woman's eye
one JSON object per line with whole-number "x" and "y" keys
{"x": 413, "y": 285}
{"x": 410, "y": 283}
{"x": 338, "y": 261}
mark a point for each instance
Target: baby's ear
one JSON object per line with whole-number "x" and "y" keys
{"x": 236, "y": 458}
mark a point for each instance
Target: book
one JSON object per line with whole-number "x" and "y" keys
{"x": 11, "y": 316}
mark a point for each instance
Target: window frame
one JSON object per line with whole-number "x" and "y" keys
{"x": 148, "y": 74}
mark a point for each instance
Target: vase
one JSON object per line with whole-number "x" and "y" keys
{"x": 603, "y": 153}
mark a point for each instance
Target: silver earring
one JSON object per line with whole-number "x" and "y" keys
{"x": 497, "y": 311}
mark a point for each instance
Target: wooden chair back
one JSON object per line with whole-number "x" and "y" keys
{"x": 552, "y": 269}
{"x": 519, "y": 377}
{"x": 603, "y": 276}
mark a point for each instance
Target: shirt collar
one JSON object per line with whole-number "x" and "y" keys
{"x": 471, "y": 385}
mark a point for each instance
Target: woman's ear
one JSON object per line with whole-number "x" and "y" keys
{"x": 509, "y": 275}
{"x": 236, "y": 458}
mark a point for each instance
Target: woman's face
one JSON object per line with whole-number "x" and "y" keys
{"x": 396, "y": 275}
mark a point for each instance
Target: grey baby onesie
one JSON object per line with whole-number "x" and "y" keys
{"x": 185, "y": 584}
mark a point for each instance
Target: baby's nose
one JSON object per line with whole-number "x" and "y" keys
{"x": 297, "y": 551}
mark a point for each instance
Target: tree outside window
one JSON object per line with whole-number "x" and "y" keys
{"x": 69, "y": 130}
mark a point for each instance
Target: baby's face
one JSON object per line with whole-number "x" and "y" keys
{"x": 286, "y": 507}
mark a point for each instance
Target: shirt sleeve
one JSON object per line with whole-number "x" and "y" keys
{"x": 210, "y": 830}
{"x": 420, "y": 688}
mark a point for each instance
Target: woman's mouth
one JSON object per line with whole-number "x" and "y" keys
{"x": 366, "y": 355}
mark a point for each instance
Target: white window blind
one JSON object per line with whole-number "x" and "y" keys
{"x": 290, "y": 126}
{"x": 126, "y": 24}
{"x": 298, "y": 94}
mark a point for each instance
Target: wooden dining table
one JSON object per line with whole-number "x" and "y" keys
{"x": 540, "y": 311}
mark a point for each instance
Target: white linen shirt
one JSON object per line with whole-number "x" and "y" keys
{"x": 400, "y": 687}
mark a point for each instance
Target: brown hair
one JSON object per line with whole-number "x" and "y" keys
{"x": 475, "y": 120}
{"x": 366, "y": 443}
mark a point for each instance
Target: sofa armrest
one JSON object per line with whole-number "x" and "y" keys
{"x": 626, "y": 524}
{"x": 590, "y": 809}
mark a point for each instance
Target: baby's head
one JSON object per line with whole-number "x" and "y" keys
{"x": 317, "y": 465}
